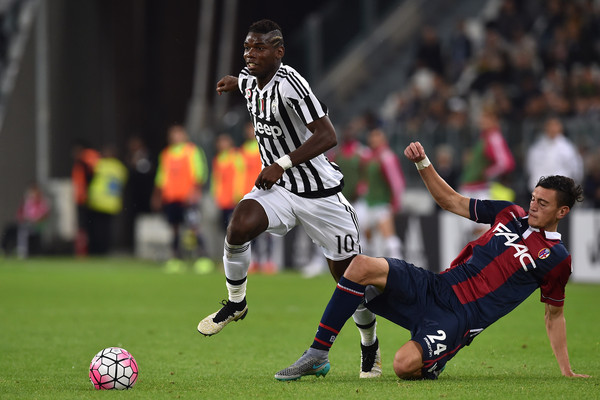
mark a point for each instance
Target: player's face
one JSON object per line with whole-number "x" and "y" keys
{"x": 262, "y": 59}
{"x": 544, "y": 212}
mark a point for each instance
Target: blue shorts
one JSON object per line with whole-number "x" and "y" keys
{"x": 419, "y": 301}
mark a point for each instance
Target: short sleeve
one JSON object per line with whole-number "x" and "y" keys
{"x": 552, "y": 289}
{"x": 297, "y": 93}
{"x": 486, "y": 211}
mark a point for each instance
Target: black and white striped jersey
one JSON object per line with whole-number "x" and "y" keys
{"x": 280, "y": 113}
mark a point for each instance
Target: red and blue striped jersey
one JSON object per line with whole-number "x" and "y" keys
{"x": 498, "y": 271}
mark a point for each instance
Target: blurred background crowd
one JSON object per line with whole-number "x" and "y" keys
{"x": 499, "y": 92}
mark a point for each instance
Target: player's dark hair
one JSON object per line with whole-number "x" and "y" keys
{"x": 567, "y": 191}
{"x": 267, "y": 26}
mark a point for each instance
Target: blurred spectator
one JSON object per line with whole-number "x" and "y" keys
{"x": 181, "y": 172}
{"x": 138, "y": 191}
{"x": 456, "y": 126}
{"x": 554, "y": 87}
{"x": 251, "y": 156}
{"x": 262, "y": 246}
{"x": 85, "y": 159}
{"x": 25, "y": 234}
{"x": 591, "y": 181}
{"x": 446, "y": 166}
{"x": 501, "y": 189}
{"x": 497, "y": 97}
{"x": 528, "y": 61}
{"x": 488, "y": 160}
{"x": 460, "y": 51}
{"x": 491, "y": 61}
{"x": 385, "y": 187}
{"x": 548, "y": 21}
{"x": 510, "y": 19}
{"x": 528, "y": 100}
{"x": 586, "y": 89}
{"x": 522, "y": 48}
{"x": 429, "y": 51}
{"x": 553, "y": 154}
{"x": 105, "y": 199}
{"x": 227, "y": 180}
{"x": 536, "y": 58}
{"x": 348, "y": 155}
{"x": 141, "y": 175}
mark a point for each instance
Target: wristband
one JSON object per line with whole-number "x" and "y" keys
{"x": 285, "y": 162}
{"x": 424, "y": 163}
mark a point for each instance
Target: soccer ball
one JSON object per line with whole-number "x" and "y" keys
{"x": 113, "y": 368}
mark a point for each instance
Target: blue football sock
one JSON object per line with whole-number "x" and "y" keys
{"x": 345, "y": 299}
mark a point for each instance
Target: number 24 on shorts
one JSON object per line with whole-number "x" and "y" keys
{"x": 435, "y": 340}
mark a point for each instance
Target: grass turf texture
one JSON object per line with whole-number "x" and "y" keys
{"x": 55, "y": 314}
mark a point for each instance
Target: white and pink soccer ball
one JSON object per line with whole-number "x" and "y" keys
{"x": 113, "y": 368}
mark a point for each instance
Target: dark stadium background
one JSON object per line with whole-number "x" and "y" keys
{"x": 135, "y": 57}
{"x": 105, "y": 70}
{"x": 114, "y": 69}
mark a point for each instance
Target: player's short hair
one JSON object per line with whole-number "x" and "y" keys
{"x": 567, "y": 191}
{"x": 265, "y": 26}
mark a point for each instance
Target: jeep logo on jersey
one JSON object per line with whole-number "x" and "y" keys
{"x": 266, "y": 128}
{"x": 521, "y": 251}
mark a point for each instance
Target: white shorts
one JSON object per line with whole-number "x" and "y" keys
{"x": 330, "y": 222}
{"x": 370, "y": 216}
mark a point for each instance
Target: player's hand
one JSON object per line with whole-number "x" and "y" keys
{"x": 227, "y": 84}
{"x": 269, "y": 176}
{"x": 572, "y": 374}
{"x": 414, "y": 152}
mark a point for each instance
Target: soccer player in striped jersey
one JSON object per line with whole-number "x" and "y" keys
{"x": 298, "y": 185}
{"x": 490, "y": 277}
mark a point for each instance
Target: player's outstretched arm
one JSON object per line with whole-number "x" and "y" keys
{"x": 556, "y": 327}
{"x": 227, "y": 84}
{"x": 442, "y": 193}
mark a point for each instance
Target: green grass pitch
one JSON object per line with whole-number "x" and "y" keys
{"x": 55, "y": 314}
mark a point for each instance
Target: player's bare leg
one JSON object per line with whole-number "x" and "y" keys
{"x": 408, "y": 361}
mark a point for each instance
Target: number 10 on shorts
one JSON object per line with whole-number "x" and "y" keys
{"x": 346, "y": 244}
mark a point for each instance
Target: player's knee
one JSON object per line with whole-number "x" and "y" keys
{"x": 237, "y": 233}
{"x": 407, "y": 366}
{"x": 246, "y": 224}
{"x": 359, "y": 270}
{"x": 406, "y": 370}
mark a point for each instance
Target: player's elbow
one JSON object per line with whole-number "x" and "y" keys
{"x": 455, "y": 203}
{"x": 329, "y": 140}
{"x": 448, "y": 204}
{"x": 324, "y": 131}
{"x": 553, "y": 313}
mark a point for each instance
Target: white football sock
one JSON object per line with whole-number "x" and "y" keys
{"x": 236, "y": 260}
{"x": 366, "y": 323}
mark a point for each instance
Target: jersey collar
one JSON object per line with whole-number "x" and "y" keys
{"x": 270, "y": 83}
{"x": 547, "y": 235}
